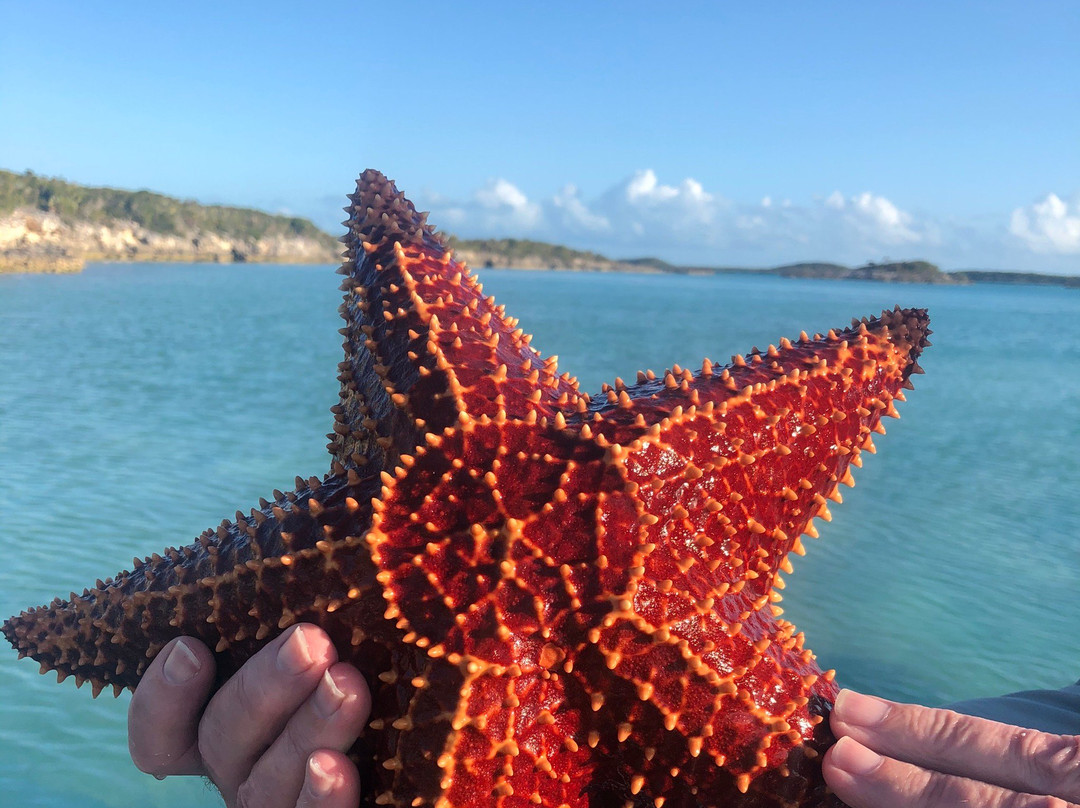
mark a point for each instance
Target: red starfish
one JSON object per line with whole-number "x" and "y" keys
{"x": 558, "y": 600}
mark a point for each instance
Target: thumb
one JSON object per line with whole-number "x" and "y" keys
{"x": 163, "y": 719}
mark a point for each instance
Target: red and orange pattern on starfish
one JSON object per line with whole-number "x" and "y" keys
{"x": 559, "y": 600}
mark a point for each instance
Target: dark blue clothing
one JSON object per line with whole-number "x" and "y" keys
{"x": 1056, "y": 711}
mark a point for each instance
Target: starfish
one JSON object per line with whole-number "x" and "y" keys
{"x": 558, "y": 600}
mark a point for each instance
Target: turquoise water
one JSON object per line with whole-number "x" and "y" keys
{"x": 142, "y": 404}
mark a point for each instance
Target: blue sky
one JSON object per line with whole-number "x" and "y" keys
{"x": 715, "y": 133}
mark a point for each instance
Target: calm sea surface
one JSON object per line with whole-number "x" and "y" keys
{"x": 142, "y": 404}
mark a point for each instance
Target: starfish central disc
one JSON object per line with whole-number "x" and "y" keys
{"x": 559, "y": 600}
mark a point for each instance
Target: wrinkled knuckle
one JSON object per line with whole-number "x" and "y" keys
{"x": 911, "y": 721}
{"x": 947, "y": 727}
{"x": 936, "y": 789}
{"x": 1054, "y": 762}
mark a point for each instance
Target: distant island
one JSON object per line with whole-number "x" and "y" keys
{"x": 510, "y": 253}
{"x": 50, "y": 225}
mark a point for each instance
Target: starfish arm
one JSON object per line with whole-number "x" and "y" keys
{"x": 731, "y": 466}
{"x": 680, "y": 728}
{"x": 269, "y": 561}
{"x": 512, "y": 743}
{"x": 423, "y": 346}
{"x": 726, "y": 702}
{"x": 728, "y": 469}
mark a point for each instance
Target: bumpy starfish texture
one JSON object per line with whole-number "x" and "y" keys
{"x": 558, "y": 600}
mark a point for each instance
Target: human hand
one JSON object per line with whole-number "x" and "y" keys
{"x": 890, "y": 755}
{"x": 273, "y": 735}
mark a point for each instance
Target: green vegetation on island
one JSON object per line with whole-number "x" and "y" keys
{"x": 888, "y": 272}
{"x": 515, "y": 252}
{"x": 155, "y": 212}
{"x": 1017, "y": 278}
{"x": 49, "y": 224}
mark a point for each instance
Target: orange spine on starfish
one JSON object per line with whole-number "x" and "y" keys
{"x": 557, "y": 600}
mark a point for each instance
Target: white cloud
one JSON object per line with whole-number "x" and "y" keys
{"x": 497, "y": 209}
{"x": 644, "y": 192}
{"x": 882, "y": 220}
{"x": 568, "y": 207}
{"x": 644, "y": 188}
{"x": 693, "y": 192}
{"x": 685, "y": 222}
{"x": 500, "y": 193}
{"x": 835, "y": 200}
{"x": 1050, "y": 226}
{"x": 652, "y": 212}
{"x": 751, "y": 222}
{"x": 505, "y": 205}
{"x": 875, "y": 218}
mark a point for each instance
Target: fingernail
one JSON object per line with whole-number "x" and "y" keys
{"x": 855, "y": 708}
{"x": 319, "y": 781}
{"x": 294, "y": 656}
{"x": 853, "y": 757}
{"x": 181, "y": 664}
{"x": 328, "y": 696}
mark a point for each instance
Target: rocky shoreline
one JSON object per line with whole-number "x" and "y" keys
{"x": 35, "y": 241}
